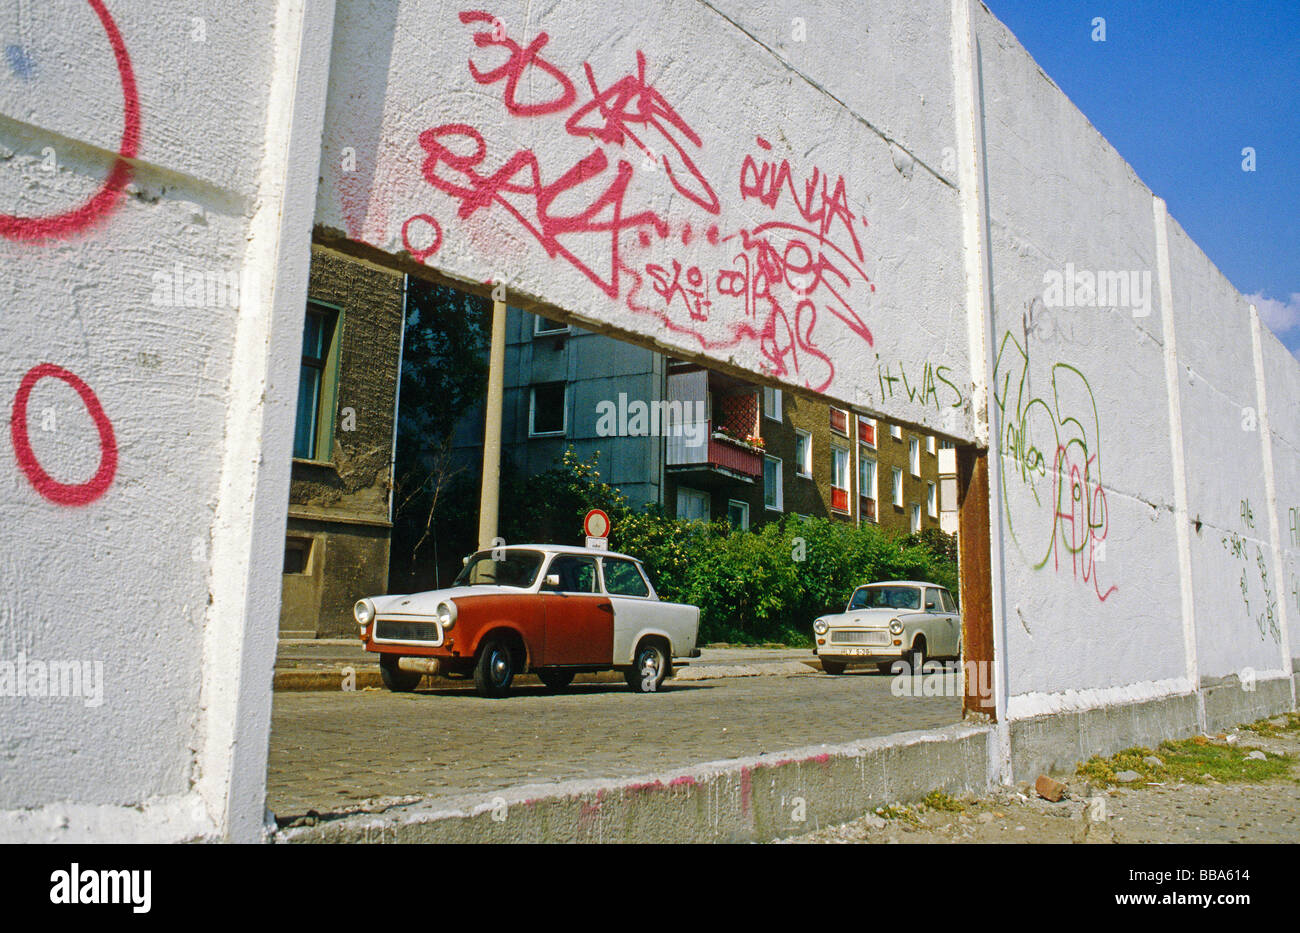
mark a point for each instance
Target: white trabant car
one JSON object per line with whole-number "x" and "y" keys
{"x": 899, "y": 620}
{"x": 553, "y": 610}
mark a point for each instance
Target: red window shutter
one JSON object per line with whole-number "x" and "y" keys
{"x": 839, "y": 421}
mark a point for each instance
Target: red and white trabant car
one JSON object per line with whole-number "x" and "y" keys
{"x": 553, "y": 610}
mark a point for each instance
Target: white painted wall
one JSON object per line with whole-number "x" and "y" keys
{"x": 730, "y": 77}
{"x": 155, "y": 576}
{"x": 974, "y": 176}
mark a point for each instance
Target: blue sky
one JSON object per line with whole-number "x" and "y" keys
{"x": 1180, "y": 88}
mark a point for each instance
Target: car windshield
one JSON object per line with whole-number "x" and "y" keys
{"x": 886, "y": 597}
{"x": 516, "y": 568}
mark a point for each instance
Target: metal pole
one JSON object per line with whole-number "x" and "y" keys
{"x": 489, "y": 499}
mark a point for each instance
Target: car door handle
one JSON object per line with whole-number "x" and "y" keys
{"x": 606, "y": 607}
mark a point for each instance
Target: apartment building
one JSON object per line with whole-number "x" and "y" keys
{"x": 701, "y": 443}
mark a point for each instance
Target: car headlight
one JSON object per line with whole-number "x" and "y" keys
{"x": 896, "y": 627}
{"x": 820, "y": 627}
{"x": 364, "y": 611}
{"x": 447, "y": 613}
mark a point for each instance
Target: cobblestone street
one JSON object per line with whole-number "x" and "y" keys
{"x": 330, "y": 751}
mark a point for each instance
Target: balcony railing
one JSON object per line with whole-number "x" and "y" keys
{"x": 868, "y": 509}
{"x": 721, "y": 452}
{"x": 839, "y": 499}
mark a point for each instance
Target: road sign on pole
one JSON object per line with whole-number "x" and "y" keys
{"x": 596, "y": 524}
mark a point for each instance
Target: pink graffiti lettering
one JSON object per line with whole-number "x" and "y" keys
{"x": 521, "y": 59}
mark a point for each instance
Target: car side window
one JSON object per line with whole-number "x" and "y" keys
{"x": 948, "y": 604}
{"x": 623, "y": 579}
{"x": 577, "y": 574}
{"x": 932, "y": 603}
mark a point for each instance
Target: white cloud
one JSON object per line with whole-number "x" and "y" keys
{"x": 1279, "y": 316}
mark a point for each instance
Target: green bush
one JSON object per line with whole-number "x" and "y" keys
{"x": 762, "y": 585}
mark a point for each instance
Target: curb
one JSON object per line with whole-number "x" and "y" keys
{"x": 752, "y": 799}
{"x": 332, "y": 679}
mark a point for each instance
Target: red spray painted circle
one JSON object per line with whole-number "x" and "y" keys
{"x": 103, "y": 201}
{"x": 46, "y": 485}
{"x": 420, "y": 254}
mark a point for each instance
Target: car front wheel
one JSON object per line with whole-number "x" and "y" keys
{"x": 916, "y": 657}
{"x": 649, "y": 669}
{"x": 396, "y": 679}
{"x": 495, "y": 669}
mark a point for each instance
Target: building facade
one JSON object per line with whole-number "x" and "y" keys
{"x": 702, "y": 444}
{"x": 340, "y": 520}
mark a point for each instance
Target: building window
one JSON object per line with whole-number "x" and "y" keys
{"x": 297, "y": 555}
{"x": 546, "y": 410}
{"x": 738, "y": 513}
{"x": 931, "y": 500}
{"x": 314, "y": 426}
{"x": 898, "y": 487}
{"x": 840, "y": 421}
{"x": 802, "y": 453}
{"x": 929, "y": 444}
{"x": 543, "y": 326}
{"x": 945, "y": 445}
{"x": 839, "y": 479}
{"x": 895, "y": 432}
{"x": 772, "y": 403}
{"x": 867, "y": 431}
{"x": 916, "y": 518}
{"x": 867, "y": 484}
{"x": 692, "y": 505}
{"x": 914, "y": 455}
{"x": 772, "y": 494}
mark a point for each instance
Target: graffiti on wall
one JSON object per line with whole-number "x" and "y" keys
{"x": 105, "y": 199}
{"x": 1249, "y": 556}
{"x": 1051, "y": 447}
{"x": 779, "y": 281}
{"x": 927, "y": 385}
{"x": 61, "y": 226}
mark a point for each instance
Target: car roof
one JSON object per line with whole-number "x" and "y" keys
{"x": 938, "y": 586}
{"x": 562, "y": 549}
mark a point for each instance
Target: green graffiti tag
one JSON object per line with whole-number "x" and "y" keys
{"x": 1051, "y": 446}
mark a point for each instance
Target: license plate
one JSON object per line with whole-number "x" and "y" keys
{"x": 856, "y": 652}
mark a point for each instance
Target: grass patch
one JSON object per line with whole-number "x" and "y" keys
{"x": 1192, "y": 761}
{"x": 1290, "y": 722}
{"x": 938, "y": 800}
{"x": 895, "y": 811}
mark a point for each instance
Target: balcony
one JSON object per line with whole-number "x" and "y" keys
{"x": 721, "y": 454}
{"x": 839, "y": 500}
{"x": 868, "y": 507}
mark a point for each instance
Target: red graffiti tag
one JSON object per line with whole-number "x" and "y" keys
{"x": 106, "y": 198}
{"x": 521, "y": 59}
{"x": 767, "y": 181}
{"x": 46, "y": 485}
{"x": 421, "y": 253}
{"x": 630, "y": 102}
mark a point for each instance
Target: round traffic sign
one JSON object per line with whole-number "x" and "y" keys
{"x": 596, "y": 524}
